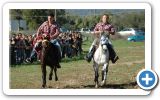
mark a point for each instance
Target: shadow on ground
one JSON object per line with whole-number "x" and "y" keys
{"x": 107, "y": 86}
{"x": 114, "y": 86}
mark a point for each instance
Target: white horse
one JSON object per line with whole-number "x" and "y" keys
{"x": 101, "y": 58}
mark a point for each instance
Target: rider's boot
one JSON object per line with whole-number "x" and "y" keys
{"x": 89, "y": 56}
{"x": 113, "y": 55}
{"x": 58, "y": 65}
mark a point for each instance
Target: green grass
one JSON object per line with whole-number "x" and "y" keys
{"x": 77, "y": 73}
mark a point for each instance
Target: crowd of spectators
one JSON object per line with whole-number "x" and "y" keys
{"x": 21, "y": 46}
{"x": 71, "y": 44}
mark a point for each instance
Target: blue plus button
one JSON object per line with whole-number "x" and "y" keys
{"x": 147, "y": 79}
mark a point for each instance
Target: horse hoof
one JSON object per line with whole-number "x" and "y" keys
{"x": 43, "y": 86}
{"x": 50, "y": 87}
{"x": 102, "y": 83}
{"x": 56, "y": 79}
{"x": 96, "y": 86}
{"x": 50, "y": 78}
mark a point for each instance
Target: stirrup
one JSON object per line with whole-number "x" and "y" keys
{"x": 87, "y": 58}
{"x": 29, "y": 60}
{"x": 115, "y": 59}
{"x": 58, "y": 66}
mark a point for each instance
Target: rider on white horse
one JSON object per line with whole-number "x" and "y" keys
{"x": 103, "y": 27}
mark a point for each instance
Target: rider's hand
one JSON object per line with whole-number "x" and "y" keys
{"x": 101, "y": 32}
{"x": 107, "y": 32}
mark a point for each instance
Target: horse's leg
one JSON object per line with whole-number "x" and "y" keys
{"x": 104, "y": 73}
{"x": 95, "y": 66}
{"x": 55, "y": 72}
{"x": 51, "y": 73}
{"x": 43, "y": 68}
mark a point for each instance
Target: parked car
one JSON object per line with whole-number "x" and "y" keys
{"x": 63, "y": 30}
{"x": 85, "y": 30}
{"x": 128, "y": 31}
{"x": 140, "y": 36}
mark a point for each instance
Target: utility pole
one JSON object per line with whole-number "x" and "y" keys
{"x": 19, "y": 22}
{"x": 94, "y": 12}
{"x": 55, "y": 14}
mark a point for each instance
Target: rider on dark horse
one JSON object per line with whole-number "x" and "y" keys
{"x": 50, "y": 30}
{"x": 103, "y": 27}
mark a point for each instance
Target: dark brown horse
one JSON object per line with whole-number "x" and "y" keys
{"x": 49, "y": 56}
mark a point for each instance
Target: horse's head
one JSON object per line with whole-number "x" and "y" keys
{"x": 104, "y": 40}
{"x": 45, "y": 43}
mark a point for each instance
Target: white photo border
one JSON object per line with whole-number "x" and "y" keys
{"x": 8, "y": 6}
